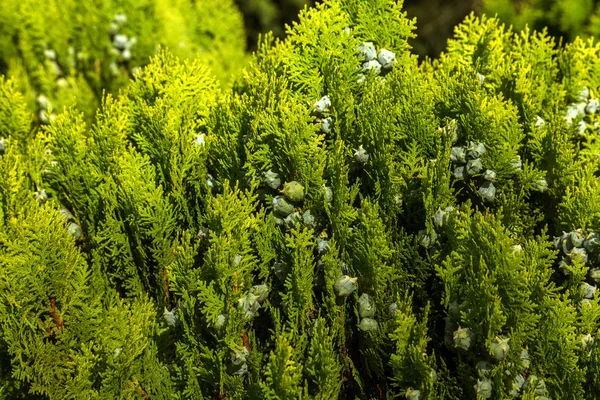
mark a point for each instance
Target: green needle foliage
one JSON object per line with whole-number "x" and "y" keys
{"x": 341, "y": 222}
{"x": 73, "y": 52}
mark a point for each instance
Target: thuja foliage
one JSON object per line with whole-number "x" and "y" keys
{"x": 342, "y": 223}
{"x": 72, "y": 52}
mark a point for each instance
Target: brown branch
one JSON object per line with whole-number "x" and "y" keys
{"x": 59, "y": 322}
{"x": 166, "y": 284}
{"x": 140, "y": 389}
{"x": 245, "y": 340}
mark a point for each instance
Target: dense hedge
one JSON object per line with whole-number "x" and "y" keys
{"x": 67, "y": 52}
{"x": 343, "y": 222}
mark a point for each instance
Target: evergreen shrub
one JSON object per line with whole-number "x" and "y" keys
{"x": 343, "y": 222}
{"x": 66, "y": 52}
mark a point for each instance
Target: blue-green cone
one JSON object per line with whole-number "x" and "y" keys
{"x": 367, "y": 51}
{"x": 483, "y": 389}
{"x": 272, "y": 179}
{"x": 293, "y": 220}
{"x": 592, "y": 106}
{"x": 474, "y": 166}
{"x": 386, "y": 58}
{"x": 484, "y": 369}
{"x": 326, "y": 125}
{"x": 427, "y": 240}
{"x": 345, "y": 285}
{"x": 441, "y": 216}
{"x": 322, "y": 104}
{"x": 459, "y": 173}
{"x": 361, "y": 155}
{"x": 280, "y": 270}
{"x": 475, "y": 150}
{"x": 308, "y": 219}
{"x": 487, "y": 191}
{"x": 462, "y": 338}
{"x": 75, "y": 230}
{"x": 518, "y": 382}
{"x": 577, "y": 238}
{"x": 587, "y": 341}
{"x": 239, "y": 355}
{"x": 489, "y": 175}
{"x": 281, "y": 207}
{"x": 322, "y": 246}
{"x": 171, "y": 317}
{"x": 539, "y": 384}
{"x": 525, "y": 358}
{"x": 500, "y": 348}
{"x": 592, "y": 242}
{"x": 249, "y": 305}
{"x": 41, "y": 196}
{"x": 366, "y": 306}
{"x": 220, "y": 322}
{"x": 458, "y": 154}
{"x": 578, "y": 253}
{"x": 260, "y": 291}
{"x": 517, "y": 164}
{"x": 587, "y": 291}
{"x": 66, "y": 214}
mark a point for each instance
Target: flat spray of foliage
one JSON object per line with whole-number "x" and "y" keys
{"x": 66, "y": 52}
{"x": 391, "y": 240}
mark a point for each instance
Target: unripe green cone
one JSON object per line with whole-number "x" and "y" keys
{"x": 75, "y": 230}
{"x": 462, "y": 338}
{"x": 328, "y": 194}
{"x": 293, "y": 191}
{"x": 484, "y": 369}
{"x": 368, "y": 325}
{"x": 366, "y": 306}
{"x": 500, "y": 348}
{"x": 587, "y": 341}
{"x": 260, "y": 291}
{"x": 577, "y": 238}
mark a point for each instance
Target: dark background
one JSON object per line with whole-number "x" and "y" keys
{"x": 435, "y": 19}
